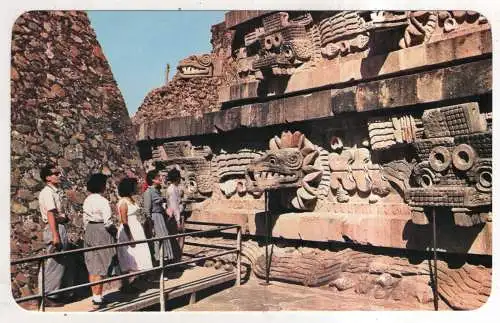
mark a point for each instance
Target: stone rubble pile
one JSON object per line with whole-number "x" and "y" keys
{"x": 192, "y": 97}
{"x": 180, "y": 97}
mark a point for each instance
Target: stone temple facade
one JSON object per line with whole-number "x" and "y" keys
{"x": 360, "y": 125}
{"x": 65, "y": 108}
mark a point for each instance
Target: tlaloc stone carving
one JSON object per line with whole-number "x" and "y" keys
{"x": 452, "y": 20}
{"x": 283, "y": 44}
{"x": 349, "y": 31}
{"x": 353, "y": 171}
{"x": 194, "y": 164}
{"x": 291, "y": 162}
{"x": 455, "y": 165}
{"x": 196, "y": 66}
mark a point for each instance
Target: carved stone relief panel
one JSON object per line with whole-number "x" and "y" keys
{"x": 459, "y": 19}
{"x": 455, "y": 167}
{"x": 353, "y": 172}
{"x": 291, "y": 162}
{"x": 193, "y": 163}
{"x": 277, "y": 46}
{"x": 349, "y": 31}
{"x": 230, "y": 171}
{"x": 283, "y": 43}
{"x": 386, "y": 132}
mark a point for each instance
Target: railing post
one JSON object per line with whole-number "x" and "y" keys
{"x": 42, "y": 286}
{"x": 434, "y": 247}
{"x": 238, "y": 256}
{"x": 192, "y": 298}
{"x": 162, "y": 286}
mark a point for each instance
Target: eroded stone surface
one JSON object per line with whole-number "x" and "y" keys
{"x": 461, "y": 284}
{"x": 65, "y": 108}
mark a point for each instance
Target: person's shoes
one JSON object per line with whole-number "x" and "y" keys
{"x": 67, "y": 299}
{"x": 99, "y": 305}
{"x": 52, "y": 303}
{"x": 129, "y": 289}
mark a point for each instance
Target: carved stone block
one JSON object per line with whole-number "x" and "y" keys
{"x": 231, "y": 168}
{"x": 194, "y": 164}
{"x": 453, "y": 121}
{"x": 291, "y": 162}
{"x": 455, "y": 169}
{"x": 353, "y": 171}
{"x": 195, "y": 66}
{"x": 386, "y": 132}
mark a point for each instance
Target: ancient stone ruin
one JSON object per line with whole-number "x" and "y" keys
{"x": 65, "y": 108}
{"x": 357, "y": 125}
{"x": 360, "y": 125}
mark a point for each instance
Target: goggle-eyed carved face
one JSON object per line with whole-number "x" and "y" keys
{"x": 280, "y": 168}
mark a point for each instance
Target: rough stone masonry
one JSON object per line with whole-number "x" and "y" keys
{"x": 66, "y": 108}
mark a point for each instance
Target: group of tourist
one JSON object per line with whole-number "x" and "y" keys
{"x": 163, "y": 212}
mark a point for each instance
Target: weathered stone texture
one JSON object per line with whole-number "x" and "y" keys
{"x": 364, "y": 101}
{"x": 65, "y": 108}
{"x": 462, "y": 284}
{"x": 183, "y": 96}
{"x": 180, "y": 97}
{"x": 236, "y": 17}
{"x": 447, "y": 83}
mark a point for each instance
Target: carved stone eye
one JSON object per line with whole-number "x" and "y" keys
{"x": 287, "y": 51}
{"x": 272, "y": 161}
{"x": 192, "y": 186}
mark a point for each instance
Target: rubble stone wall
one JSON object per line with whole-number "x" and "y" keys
{"x": 184, "y": 96}
{"x": 178, "y": 98}
{"x": 65, "y": 108}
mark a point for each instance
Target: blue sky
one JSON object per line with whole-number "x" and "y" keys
{"x": 139, "y": 44}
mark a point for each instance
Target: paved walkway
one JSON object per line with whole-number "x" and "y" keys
{"x": 253, "y": 296}
{"x": 189, "y": 281}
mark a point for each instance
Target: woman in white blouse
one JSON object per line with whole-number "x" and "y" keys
{"x": 99, "y": 230}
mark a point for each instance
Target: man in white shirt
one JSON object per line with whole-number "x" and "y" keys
{"x": 57, "y": 269}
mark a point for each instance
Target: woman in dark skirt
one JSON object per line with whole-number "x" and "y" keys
{"x": 99, "y": 230}
{"x": 153, "y": 206}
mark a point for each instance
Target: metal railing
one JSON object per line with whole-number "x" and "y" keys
{"x": 222, "y": 227}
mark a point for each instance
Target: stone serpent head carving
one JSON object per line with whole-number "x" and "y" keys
{"x": 196, "y": 66}
{"x": 290, "y": 162}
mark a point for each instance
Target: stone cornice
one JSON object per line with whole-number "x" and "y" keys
{"x": 444, "y": 83}
{"x": 357, "y": 67}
